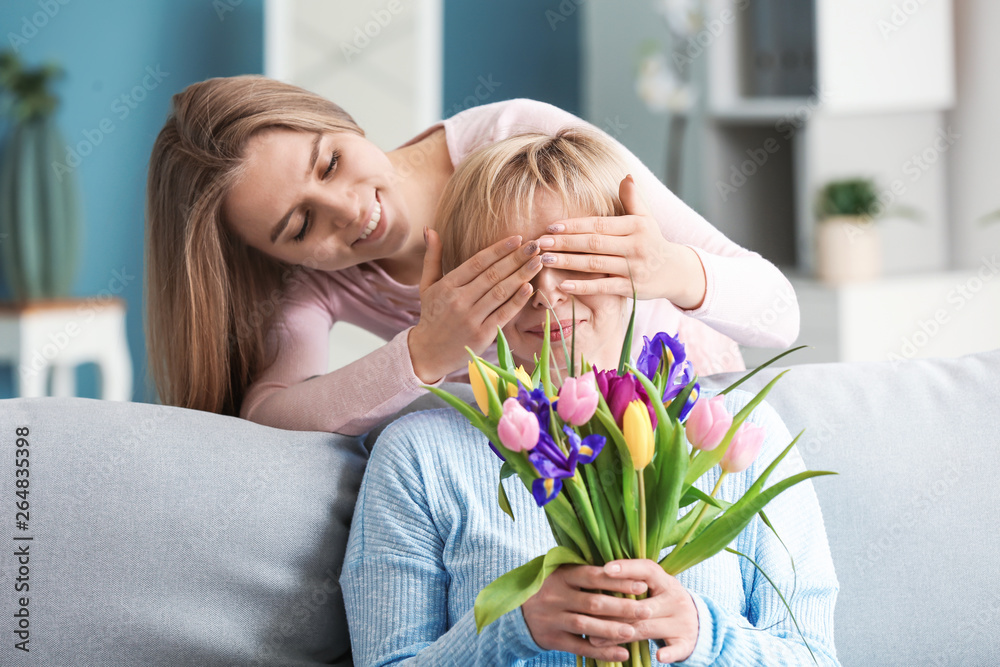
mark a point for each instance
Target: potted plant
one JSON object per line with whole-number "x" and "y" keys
{"x": 39, "y": 215}
{"x": 847, "y": 243}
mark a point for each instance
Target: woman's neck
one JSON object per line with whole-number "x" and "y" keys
{"x": 423, "y": 169}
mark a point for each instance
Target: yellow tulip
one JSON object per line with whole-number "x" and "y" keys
{"x": 638, "y": 431}
{"x": 525, "y": 379}
{"x": 479, "y": 388}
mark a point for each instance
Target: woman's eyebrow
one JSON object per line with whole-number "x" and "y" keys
{"x": 313, "y": 156}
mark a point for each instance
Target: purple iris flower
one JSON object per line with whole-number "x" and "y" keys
{"x": 678, "y": 368}
{"x": 553, "y": 465}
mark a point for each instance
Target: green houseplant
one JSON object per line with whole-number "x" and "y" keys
{"x": 847, "y": 243}
{"x": 39, "y": 213}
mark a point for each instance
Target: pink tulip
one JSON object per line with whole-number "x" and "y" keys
{"x": 708, "y": 423}
{"x": 578, "y": 399}
{"x": 517, "y": 428}
{"x": 744, "y": 448}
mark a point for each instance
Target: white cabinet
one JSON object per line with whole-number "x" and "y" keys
{"x": 883, "y": 78}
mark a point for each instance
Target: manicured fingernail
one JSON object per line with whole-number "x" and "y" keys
{"x": 629, "y": 177}
{"x": 611, "y": 568}
{"x": 534, "y": 263}
{"x": 531, "y": 248}
{"x": 525, "y": 290}
{"x": 513, "y": 242}
{"x": 425, "y": 235}
{"x": 548, "y": 259}
{"x": 569, "y": 286}
{"x": 555, "y": 228}
{"x": 545, "y": 242}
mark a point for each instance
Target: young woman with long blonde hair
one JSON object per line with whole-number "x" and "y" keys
{"x": 270, "y": 217}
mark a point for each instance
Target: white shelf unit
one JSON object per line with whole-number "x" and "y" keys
{"x": 879, "y": 91}
{"x": 882, "y": 83}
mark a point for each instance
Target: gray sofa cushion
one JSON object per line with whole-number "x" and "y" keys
{"x": 912, "y": 516}
{"x": 165, "y": 536}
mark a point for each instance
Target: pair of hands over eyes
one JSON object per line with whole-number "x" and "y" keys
{"x": 465, "y": 307}
{"x": 566, "y": 608}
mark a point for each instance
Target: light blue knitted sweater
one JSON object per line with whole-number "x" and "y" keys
{"x": 428, "y": 535}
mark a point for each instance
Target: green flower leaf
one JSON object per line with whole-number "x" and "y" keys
{"x": 513, "y": 589}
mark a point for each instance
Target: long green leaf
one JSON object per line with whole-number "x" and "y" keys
{"x": 694, "y": 494}
{"x": 783, "y": 601}
{"x": 627, "y": 344}
{"x": 496, "y": 407}
{"x": 760, "y": 368}
{"x": 472, "y": 414}
{"x": 504, "y": 357}
{"x": 684, "y": 524}
{"x": 724, "y": 529}
{"x": 511, "y": 590}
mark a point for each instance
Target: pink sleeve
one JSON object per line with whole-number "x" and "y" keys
{"x": 747, "y": 297}
{"x": 349, "y": 400}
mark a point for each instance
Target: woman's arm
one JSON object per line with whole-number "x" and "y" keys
{"x": 394, "y": 580}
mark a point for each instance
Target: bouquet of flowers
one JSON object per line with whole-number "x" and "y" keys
{"x": 613, "y": 457}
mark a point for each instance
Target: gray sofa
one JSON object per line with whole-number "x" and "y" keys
{"x": 163, "y": 536}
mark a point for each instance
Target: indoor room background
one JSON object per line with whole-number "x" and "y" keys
{"x": 749, "y": 109}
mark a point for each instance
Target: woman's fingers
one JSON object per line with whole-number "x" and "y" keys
{"x": 591, "y": 577}
{"x": 487, "y": 260}
{"x": 497, "y": 288}
{"x": 628, "y": 193}
{"x": 431, "y": 272}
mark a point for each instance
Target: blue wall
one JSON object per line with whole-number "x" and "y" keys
{"x": 500, "y": 50}
{"x": 504, "y": 49}
{"x": 106, "y": 47}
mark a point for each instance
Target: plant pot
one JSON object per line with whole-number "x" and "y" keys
{"x": 848, "y": 250}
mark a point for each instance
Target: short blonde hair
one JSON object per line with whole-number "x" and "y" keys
{"x": 493, "y": 189}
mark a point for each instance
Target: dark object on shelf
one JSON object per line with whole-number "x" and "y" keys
{"x": 779, "y": 48}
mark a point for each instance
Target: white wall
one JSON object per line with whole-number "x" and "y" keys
{"x": 975, "y": 176}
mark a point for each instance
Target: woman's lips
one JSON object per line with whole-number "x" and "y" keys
{"x": 556, "y": 333}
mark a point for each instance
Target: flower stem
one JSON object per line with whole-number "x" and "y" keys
{"x": 701, "y": 514}
{"x": 642, "y": 514}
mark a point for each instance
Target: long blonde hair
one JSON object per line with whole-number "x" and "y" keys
{"x": 210, "y": 298}
{"x": 494, "y": 188}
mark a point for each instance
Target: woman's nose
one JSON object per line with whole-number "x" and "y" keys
{"x": 341, "y": 207}
{"x": 547, "y": 292}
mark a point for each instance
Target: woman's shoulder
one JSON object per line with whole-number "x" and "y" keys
{"x": 428, "y": 434}
{"x": 485, "y": 124}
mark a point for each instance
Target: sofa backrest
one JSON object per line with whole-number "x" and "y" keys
{"x": 164, "y": 536}
{"x": 911, "y": 517}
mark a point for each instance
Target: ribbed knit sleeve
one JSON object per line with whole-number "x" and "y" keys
{"x": 395, "y": 580}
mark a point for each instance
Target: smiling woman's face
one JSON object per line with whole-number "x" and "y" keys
{"x": 600, "y": 320}
{"x": 326, "y": 200}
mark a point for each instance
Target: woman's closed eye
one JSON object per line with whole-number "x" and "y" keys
{"x": 334, "y": 159}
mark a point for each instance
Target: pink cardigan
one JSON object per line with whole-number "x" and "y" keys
{"x": 747, "y": 300}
